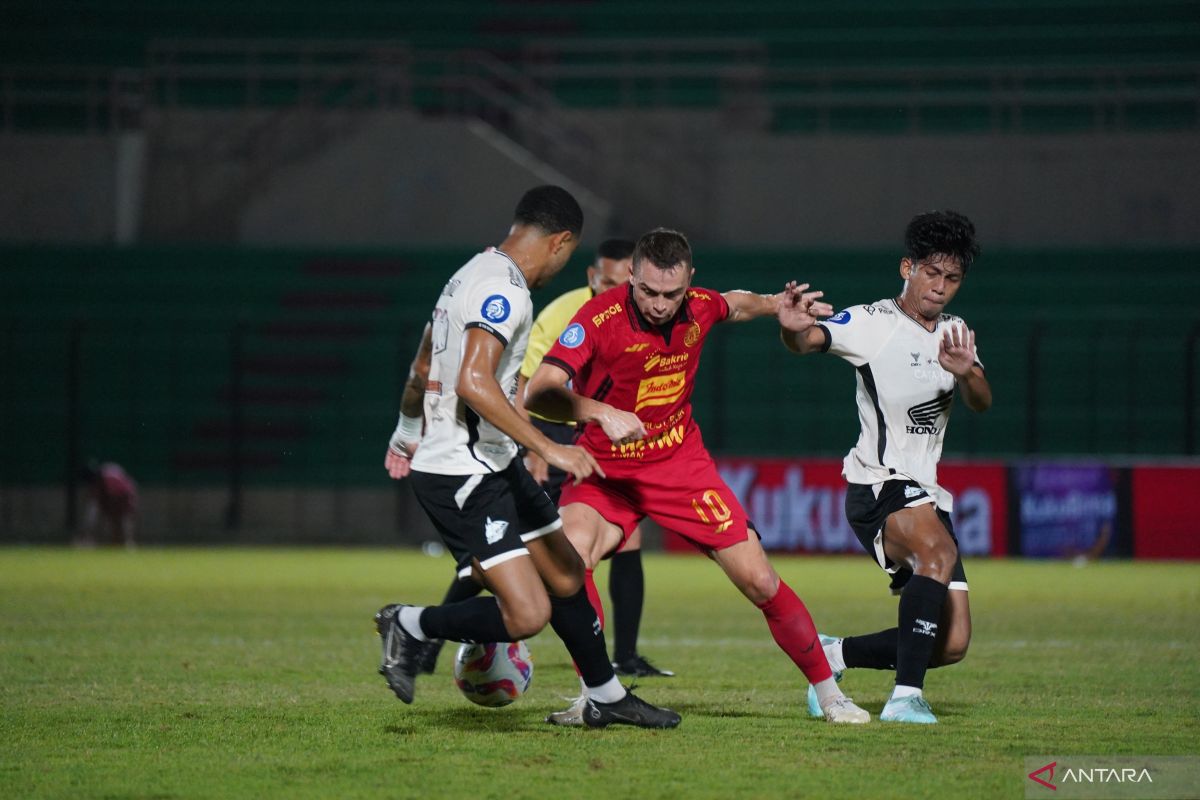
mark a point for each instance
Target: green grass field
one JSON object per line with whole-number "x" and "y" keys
{"x": 251, "y": 673}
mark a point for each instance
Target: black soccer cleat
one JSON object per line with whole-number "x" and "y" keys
{"x": 429, "y": 660}
{"x": 629, "y": 710}
{"x": 639, "y": 667}
{"x": 402, "y": 652}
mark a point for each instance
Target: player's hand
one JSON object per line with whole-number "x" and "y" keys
{"x": 398, "y": 461}
{"x": 573, "y": 460}
{"x": 621, "y": 427}
{"x": 800, "y": 309}
{"x": 539, "y": 470}
{"x": 956, "y": 351}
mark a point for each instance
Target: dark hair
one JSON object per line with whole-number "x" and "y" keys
{"x": 550, "y": 208}
{"x": 945, "y": 232}
{"x": 663, "y": 248}
{"x": 616, "y": 249}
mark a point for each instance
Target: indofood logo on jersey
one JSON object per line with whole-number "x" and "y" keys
{"x": 661, "y": 362}
{"x": 924, "y": 415}
{"x": 661, "y": 390}
{"x": 496, "y": 308}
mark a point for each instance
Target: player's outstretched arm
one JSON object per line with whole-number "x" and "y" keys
{"x": 956, "y": 354}
{"x": 798, "y": 313}
{"x": 478, "y": 388}
{"x": 547, "y": 394}
{"x": 745, "y": 306}
{"x": 398, "y": 460}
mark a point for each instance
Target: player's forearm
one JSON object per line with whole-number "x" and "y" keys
{"x": 801, "y": 342}
{"x": 745, "y": 305}
{"x": 559, "y": 402}
{"x": 412, "y": 401}
{"x": 976, "y": 391}
{"x": 483, "y": 394}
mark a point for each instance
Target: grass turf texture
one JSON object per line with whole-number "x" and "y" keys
{"x": 251, "y": 673}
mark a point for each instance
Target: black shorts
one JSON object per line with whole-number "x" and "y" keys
{"x": 867, "y": 515}
{"x": 559, "y": 433}
{"x": 486, "y": 517}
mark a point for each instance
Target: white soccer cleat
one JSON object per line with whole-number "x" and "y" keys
{"x": 571, "y": 717}
{"x": 843, "y": 711}
{"x": 913, "y": 708}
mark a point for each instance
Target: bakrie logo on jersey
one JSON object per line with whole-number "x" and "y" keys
{"x": 573, "y": 336}
{"x": 496, "y": 308}
{"x": 840, "y": 318}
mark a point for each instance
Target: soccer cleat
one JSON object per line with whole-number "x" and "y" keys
{"x": 639, "y": 667}
{"x": 429, "y": 660}
{"x": 629, "y": 710}
{"x": 843, "y": 711}
{"x": 402, "y": 652}
{"x": 814, "y": 707}
{"x": 571, "y": 717}
{"x": 908, "y": 709}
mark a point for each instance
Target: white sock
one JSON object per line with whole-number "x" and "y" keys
{"x": 609, "y": 692}
{"x": 827, "y": 692}
{"x": 410, "y": 620}
{"x": 905, "y": 691}
{"x": 833, "y": 654}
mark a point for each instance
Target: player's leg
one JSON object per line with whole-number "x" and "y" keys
{"x": 461, "y": 588}
{"x": 562, "y": 556}
{"x": 478, "y": 520}
{"x": 916, "y": 537}
{"x": 627, "y": 589}
{"x": 789, "y": 622}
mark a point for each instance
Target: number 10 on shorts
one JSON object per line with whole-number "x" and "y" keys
{"x": 716, "y": 508}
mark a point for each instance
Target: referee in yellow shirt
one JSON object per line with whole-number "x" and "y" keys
{"x": 626, "y": 586}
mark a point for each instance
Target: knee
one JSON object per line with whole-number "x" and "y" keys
{"x": 937, "y": 561}
{"x": 567, "y": 584}
{"x": 761, "y": 586}
{"x": 528, "y": 620}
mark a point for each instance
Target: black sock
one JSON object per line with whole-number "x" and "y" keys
{"x": 626, "y": 587}
{"x": 576, "y": 623}
{"x": 920, "y": 611}
{"x": 461, "y": 589}
{"x": 474, "y": 620}
{"x": 871, "y": 650}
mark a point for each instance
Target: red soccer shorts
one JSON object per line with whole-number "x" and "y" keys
{"x": 683, "y": 493}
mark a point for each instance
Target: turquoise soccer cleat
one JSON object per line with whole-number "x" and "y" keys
{"x": 908, "y": 709}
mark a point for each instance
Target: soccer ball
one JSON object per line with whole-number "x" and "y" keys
{"x": 493, "y": 674}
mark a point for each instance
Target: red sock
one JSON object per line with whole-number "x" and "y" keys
{"x": 589, "y": 583}
{"x": 795, "y": 633}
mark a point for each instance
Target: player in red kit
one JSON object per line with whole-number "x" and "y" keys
{"x": 626, "y": 367}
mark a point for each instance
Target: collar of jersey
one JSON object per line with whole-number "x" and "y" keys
{"x": 638, "y": 321}
{"x": 524, "y": 285}
{"x": 913, "y": 319}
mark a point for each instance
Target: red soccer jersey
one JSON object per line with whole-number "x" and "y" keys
{"x": 614, "y": 355}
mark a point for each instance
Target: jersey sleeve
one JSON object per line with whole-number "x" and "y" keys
{"x": 852, "y": 334}
{"x": 708, "y": 305}
{"x": 497, "y": 306}
{"x": 576, "y": 344}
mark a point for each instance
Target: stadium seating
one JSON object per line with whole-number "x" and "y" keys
{"x": 1086, "y": 351}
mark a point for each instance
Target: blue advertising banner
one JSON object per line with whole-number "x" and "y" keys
{"x": 1070, "y": 510}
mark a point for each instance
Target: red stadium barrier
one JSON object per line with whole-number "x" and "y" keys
{"x": 1166, "y": 508}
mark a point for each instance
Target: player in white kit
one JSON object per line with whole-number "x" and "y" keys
{"x": 501, "y": 527}
{"x": 911, "y": 359}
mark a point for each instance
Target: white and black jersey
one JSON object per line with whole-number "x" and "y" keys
{"x": 487, "y": 292}
{"x": 904, "y": 395}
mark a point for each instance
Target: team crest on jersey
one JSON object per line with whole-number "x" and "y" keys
{"x": 693, "y": 334}
{"x": 573, "y": 336}
{"x": 840, "y": 318}
{"x": 496, "y": 308}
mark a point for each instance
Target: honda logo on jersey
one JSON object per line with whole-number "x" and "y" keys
{"x": 925, "y": 415}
